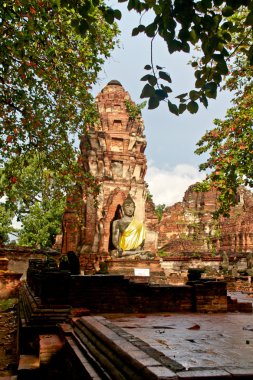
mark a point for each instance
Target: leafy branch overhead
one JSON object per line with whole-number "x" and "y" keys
{"x": 230, "y": 143}
{"x": 207, "y": 25}
{"x": 51, "y": 53}
{"x": 230, "y": 148}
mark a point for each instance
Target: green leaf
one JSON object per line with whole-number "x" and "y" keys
{"x": 141, "y": 28}
{"x": 192, "y": 107}
{"x": 166, "y": 88}
{"x": 174, "y": 45}
{"x": 150, "y": 78}
{"x": 249, "y": 19}
{"x": 145, "y": 78}
{"x": 194, "y": 95}
{"x": 182, "y": 96}
{"x": 217, "y": 77}
{"x": 150, "y": 30}
{"x": 227, "y": 25}
{"x": 193, "y": 37}
{"x": 218, "y": 57}
{"x": 83, "y": 27}
{"x": 117, "y": 14}
{"x": 147, "y": 67}
{"x": 218, "y": 2}
{"x": 185, "y": 47}
{"x": 227, "y": 11}
{"x": 161, "y": 94}
{"x": 109, "y": 16}
{"x": 165, "y": 76}
{"x": 181, "y": 108}
{"x": 222, "y": 68}
{"x": 204, "y": 100}
{"x": 199, "y": 82}
{"x": 131, "y": 4}
{"x": 147, "y": 91}
{"x": 153, "y": 102}
{"x": 198, "y": 74}
{"x": 210, "y": 89}
{"x": 135, "y": 31}
{"x": 173, "y": 108}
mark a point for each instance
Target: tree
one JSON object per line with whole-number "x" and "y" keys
{"x": 230, "y": 148}
{"x": 230, "y": 142}
{"x": 52, "y": 51}
{"x": 207, "y": 25}
{"x": 33, "y": 182}
{"x": 50, "y": 57}
{"x": 41, "y": 224}
{"x": 6, "y": 227}
{"x": 38, "y": 198}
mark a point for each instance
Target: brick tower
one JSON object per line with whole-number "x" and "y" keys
{"x": 113, "y": 152}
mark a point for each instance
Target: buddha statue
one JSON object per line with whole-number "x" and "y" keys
{"x": 128, "y": 234}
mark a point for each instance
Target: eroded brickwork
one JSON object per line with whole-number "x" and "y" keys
{"x": 188, "y": 226}
{"x": 113, "y": 152}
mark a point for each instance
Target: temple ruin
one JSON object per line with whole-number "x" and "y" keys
{"x": 113, "y": 152}
{"x": 70, "y": 322}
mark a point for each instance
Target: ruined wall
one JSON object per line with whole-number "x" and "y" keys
{"x": 188, "y": 226}
{"x": 151, "y": 223}
{"x": 17, "y": 258}
{"x": 237, "y": 230}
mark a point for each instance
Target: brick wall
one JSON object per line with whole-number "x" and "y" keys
{"x": 115, "y": 293}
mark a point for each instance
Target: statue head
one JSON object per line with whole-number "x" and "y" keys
{"x": 128, "y": 206}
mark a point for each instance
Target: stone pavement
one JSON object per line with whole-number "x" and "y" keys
{"x": 189, "y": 346}
{"x": 211, "y": 341}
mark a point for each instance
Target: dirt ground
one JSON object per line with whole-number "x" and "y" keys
{"x": 8, "y": 337}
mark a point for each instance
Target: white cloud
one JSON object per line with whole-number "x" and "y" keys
{"x": 169, "y": 185}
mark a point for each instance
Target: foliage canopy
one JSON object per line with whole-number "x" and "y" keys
{"x": 230, "y": 143}
{"x": 208, "y": 26}
{"x": 51, "y": 53}
{"x": 42, "y": 223}
{"x": 6, "y": 227}
{"x": 49, "y": 60}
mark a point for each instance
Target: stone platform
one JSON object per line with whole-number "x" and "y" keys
{"x": 158, "y": 347}
{"x": 127, "y": 267}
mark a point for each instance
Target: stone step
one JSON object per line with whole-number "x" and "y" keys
{"x": 28, "y": 367}
{"x": 117, "y": 356}
{"x": 33, "y": 312}
{"x": 50, "y": 345}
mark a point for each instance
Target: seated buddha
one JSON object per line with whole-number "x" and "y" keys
{"x": 128, "y": 234}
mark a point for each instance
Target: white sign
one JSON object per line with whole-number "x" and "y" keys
{"x": 142, "y": 272}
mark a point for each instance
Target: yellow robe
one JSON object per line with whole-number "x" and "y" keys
{"x": 133, "y": 236}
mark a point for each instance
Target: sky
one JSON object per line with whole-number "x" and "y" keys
{"x": 171, "y": 140}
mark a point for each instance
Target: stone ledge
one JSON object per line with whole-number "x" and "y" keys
{"x": 130, "y": 357}
{"x": 207, "y": 374}
{"x": 117, "y": 355}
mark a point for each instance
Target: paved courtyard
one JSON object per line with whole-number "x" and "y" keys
{"x": 196, "y": 340}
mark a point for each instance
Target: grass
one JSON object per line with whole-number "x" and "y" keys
{"x": 6, "y": 304}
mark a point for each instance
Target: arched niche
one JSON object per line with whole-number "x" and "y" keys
{"x": 111, "y": 212}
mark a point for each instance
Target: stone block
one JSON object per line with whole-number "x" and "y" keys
{"x": 205, "y": 374}
{"x": 241, "y": 373}
{"x": 28, "y": 367}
